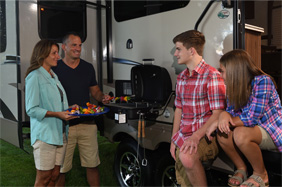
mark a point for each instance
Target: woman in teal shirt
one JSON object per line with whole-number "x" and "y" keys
{"x": 46, "y": 103}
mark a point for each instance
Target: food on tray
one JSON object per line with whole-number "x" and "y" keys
{"x": 90, "y": 109}
{"x": 120, "y": 99}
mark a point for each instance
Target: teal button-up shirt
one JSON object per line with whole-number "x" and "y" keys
{"x": 42, "y": 95}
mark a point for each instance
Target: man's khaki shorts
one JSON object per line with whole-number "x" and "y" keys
{"x": 207, "y": 151}
{"x": 46, "y": 156}
{"x": 266, "y": 141}
{"x": 85, "y": 136}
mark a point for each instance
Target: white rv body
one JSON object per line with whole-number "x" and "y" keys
{"x": 22, "y": 35}
{"x": 151, "y": 35}
{"x": 9, "y": 78}
{"x": 152, "y": 39}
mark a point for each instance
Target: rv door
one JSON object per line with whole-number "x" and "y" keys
{"x": 10, "y": 74}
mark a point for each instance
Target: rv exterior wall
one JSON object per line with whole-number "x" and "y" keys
{"x": 29, "y": 36}
{"x": 28, "y": 25}
{"x": 152, "y": 36}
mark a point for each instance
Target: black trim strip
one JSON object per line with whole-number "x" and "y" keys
{"x": 11, "y": 62}
{"x": 19, "y": 93}
{"x": 125, "y": 61}
{"x": 99, "y": 46}
{"x": 6, "y": 112}
{"x": 239, "y": 28}
{"x": 109, "y": 39}
{"x": 203, "y": 14}
{"x": 235, "y": 26}
{"x": 98, "y": 4}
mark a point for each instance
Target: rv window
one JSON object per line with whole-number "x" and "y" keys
{"x": 3, "y": 26}
{"x": 56, "y": 18}
{"x": 126, "y": 10}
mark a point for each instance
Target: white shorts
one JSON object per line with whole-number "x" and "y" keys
{"x": 46, "y": 156}
{"x": 266, "y": 141}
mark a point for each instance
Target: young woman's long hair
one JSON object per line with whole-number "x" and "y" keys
{"x": 40, "y": 51}
{"x": 240, "y": 71}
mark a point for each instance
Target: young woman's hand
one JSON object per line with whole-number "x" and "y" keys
{"x": 211, "y": 129}
{"x": 225, "y": 119}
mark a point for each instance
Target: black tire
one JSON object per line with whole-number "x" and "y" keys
{"x": 128, "y": 170}
{"x": 165, "y": 171}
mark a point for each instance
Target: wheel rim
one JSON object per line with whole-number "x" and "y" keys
{"x": 168, "y": 177}
{"x": 130, "y": 170}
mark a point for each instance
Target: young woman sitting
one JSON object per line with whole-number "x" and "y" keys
{"x": 252, "y": 120}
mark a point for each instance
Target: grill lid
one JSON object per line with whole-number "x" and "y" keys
{"x": 151, "y": 83}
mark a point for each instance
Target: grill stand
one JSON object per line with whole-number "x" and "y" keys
{"x": 141, "y": 136}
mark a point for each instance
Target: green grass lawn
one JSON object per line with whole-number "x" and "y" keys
{"x": 17, "y": 165}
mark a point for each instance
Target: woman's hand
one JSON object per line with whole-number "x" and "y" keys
{"x": 65, "y": 115}
{"x": 211, "y": 129}
{"x": 225, "y": 119}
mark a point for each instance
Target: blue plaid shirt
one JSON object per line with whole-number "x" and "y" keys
{"x": 263, "y": 109}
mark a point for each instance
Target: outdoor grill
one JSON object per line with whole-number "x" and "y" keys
{"x": 150, "y": 88}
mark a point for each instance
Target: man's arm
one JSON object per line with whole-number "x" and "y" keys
{"x": 176, "y": 126}
{"x": 96, "y": 93}
{"x": 202, "y": 131}
{"x": 192, "y": 142}
{"x": 176, "y": 121}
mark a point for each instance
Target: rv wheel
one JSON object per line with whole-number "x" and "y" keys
{"x": 165, "y": 171}
{"x": 128, "y": 169}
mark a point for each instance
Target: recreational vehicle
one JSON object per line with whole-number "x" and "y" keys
{"x": 130, "y": 46}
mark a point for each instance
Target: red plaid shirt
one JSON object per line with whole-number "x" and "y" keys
{"x": 197, "y": 95}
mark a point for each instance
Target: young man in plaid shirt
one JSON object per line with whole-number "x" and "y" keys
{"x": 200, "y": 97}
